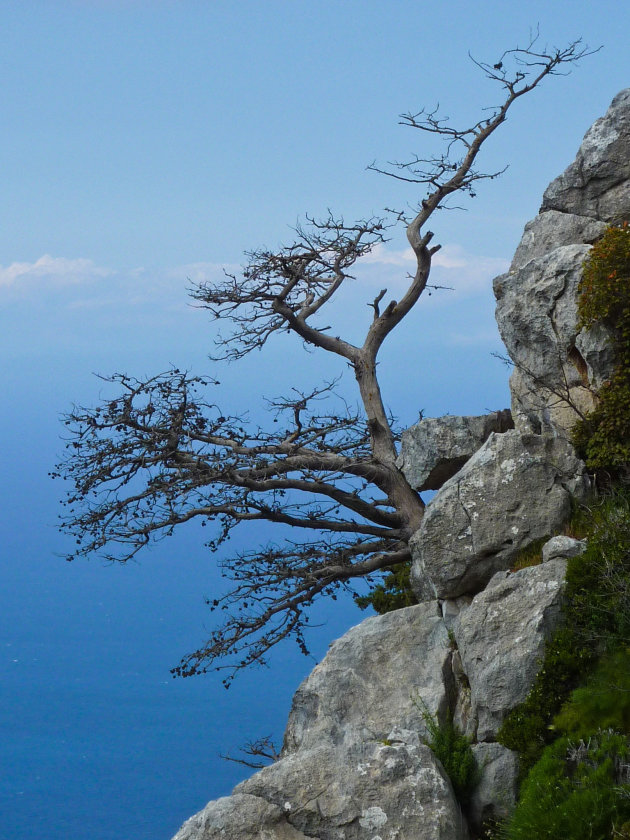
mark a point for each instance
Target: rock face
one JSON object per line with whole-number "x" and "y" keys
{"x": 597, "y": 183}
{"x": 557, "y": 368}
{"x": 341, "y": 702}
{"x": 514, "y": 490}
{"x": 436, "y": 448}
{"x": 501, "y": 636}
{"x": 355, "y": 765}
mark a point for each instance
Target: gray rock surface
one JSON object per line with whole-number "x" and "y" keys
{"x": 562, "y": 546}
{"x": 239, "y": 817}
{"x": 354, "y": 764}
{"x": 558, "y": 370}
{"x": 501, "y": 637}
{"x": 358, "y": 693}
{"x": 495, "y": 795}
{"x": 553, "y": 229}
{"x": 436, "y": 448}
{"x": 555, "y": 373}
{"x": 597, "y": 183}
{"x": 514, "y": 490}
{"x": 362, "y": 790}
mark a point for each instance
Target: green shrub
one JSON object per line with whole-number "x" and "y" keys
{"x": 454, "y": 752}
{"x": 394, "y": 593}
{"x": 573, "y": 792}
{"x": 603, "y": 703}
{"x": 603, "y": 437}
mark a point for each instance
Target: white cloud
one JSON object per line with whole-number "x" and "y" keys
{"x": 468, "y": 274}
{"x": 52, "y": 270}
{"x": 380, "y": 255}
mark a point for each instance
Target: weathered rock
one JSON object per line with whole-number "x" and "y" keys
{"x": 436, "y": 448}
{"x": 514, "y": 490}
{"x": 597, "y": 183}
{"x": 495, "y": 796}
{"x": 501, "y": 637}
{"x": 362, "y": 790}
{"x": 561, "y": 546}
{"x": 553, "y": 229}
{"x": 557, "y": 371}
{"x": 239, "y": 817}
{"x": 354, "y": 765}
{"x": 537, "y": 316}
{"x": 367, "y": 686}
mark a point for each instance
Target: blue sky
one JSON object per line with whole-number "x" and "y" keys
{"x": 146, "y": 144}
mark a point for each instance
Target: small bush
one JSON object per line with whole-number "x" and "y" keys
{"x": 394, "y": 593}
{"x": 603, "y": 703}
{"x": 603, "y": 438}
{"x": 573, "y": 792}
{"x": 454, "y": 752}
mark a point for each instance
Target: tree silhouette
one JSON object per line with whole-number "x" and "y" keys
{"x": 162, "y": 453}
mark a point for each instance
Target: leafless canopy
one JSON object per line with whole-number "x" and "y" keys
{"x": 163, "y": 453}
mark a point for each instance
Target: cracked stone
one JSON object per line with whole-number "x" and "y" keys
{"x": 516, "y": 489}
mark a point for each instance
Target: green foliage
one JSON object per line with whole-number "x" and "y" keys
{"x": 573, "y": 792}
{"x": 603, "y": 703}
{"x": 603, "y": 438}
{"x": 453, "y": 751}
{"x": 394, "y": 593}
{"x": 596, "y": 621}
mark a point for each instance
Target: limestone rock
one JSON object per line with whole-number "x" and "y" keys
{"x": 557, "y": 370}
{"x": 537, "y": 316}
{"x": 597, "y": 183}
{"x": 361, "y": 790}
{"x": 501, "y": 637}
{"x": 239, "y": 817}
{"x": 514, "y": 490}
{"x": 367, "y": 685}
{"x": 553, "y": 229}
{"x": 435, "y": 449}
{"x": 562, "y": 546}
{"x": 495, "y": 796}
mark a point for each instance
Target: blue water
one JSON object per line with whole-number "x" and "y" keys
{"x": 96, "y": 738}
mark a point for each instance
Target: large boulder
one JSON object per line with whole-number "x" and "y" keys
{"x": 436, "y": 448}
{"x": 239, "y": 817}
{"x": 369, "y": 684}
{"x": 501, "y": 638}
{"x": 360, "y": 791}
{"x": 514, "y": 490}
{"x": 354, "y": 765}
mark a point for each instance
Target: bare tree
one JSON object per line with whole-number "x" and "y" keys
{"x": 161, "y": 453}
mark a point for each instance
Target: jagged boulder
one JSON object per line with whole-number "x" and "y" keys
{"x": 436, "y": 448}
{"x": 357, "y": 692}
{"x": 354, "y": 765}
{"x": 597, "y": 183}
{"x": 553, "y": 229}
{"x": 514, "y": 490}
{"x": 361, "y": 790}
{"x": 239, "y": 817}
{"x": 558, "y": 369}
{"x": 501, "y": 637}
